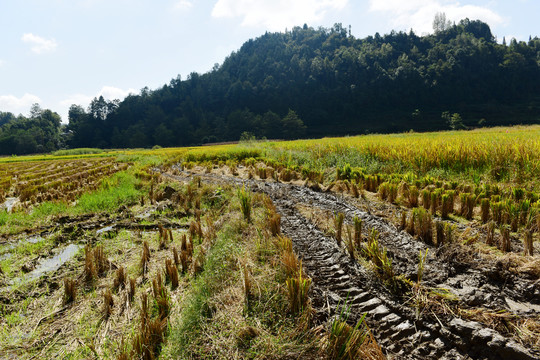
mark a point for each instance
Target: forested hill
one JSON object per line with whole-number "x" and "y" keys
{"x": 319, "y": 82}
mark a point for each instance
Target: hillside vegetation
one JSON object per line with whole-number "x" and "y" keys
{"x": 318, "y": 82}
{"x": 334, "y": 83}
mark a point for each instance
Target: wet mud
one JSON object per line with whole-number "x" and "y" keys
{"x": 338, "y": 280}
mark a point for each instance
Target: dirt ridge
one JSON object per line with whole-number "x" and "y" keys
{"x": 337, "y": 279}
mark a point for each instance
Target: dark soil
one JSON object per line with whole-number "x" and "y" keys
{"x": 402, "y": 334}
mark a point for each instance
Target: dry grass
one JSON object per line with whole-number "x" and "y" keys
{"x": 163, "y": 238}
{"x": 338, "y": 220}
{"x": 70, "y": 290}
{"x": 447, "y": 206}
{"x": 410, "y": 224}
{"x": 426, "y": 199}
{"x": 345, "y": 342}
{"x": 490, "y": 233}
{"x": 184, "y": 261}
{"x": 195, "y": 230}
{"x": 101, "y": 262}
{"x": 108, "y": 304}
{"x": 412, "y": 196}
{"x": 120, "y": 279}
{"x": 183, "y": 243}
{"x": 354, "y": 190}
{"x": 96, "y": 263}
{"x": 357, "y": 231}
{"x": 403, "y": 221}
{"x": 350, "y": 243}
{"x": 484, "y": 210}
{"x": 467, "y": 202}
{"x": 161, "y": 296}
{"x": 89, "y": 268}
{"x": 284, "y": 244}
{"x": 274, "y": 223}
{"x": 434, "y": 204}
{"x": 290, "y": 263}
{"x": 148, "y": 341}
{"x": 498, "y": 320}
{"x": 247, "y": 285}
{"x": 145, "y": 258}
{"x": 423, "y": 225}
{"x": 439, "y": 231}
{"x": 297, "y": 291}
{"x": 132, "y": 288}
{"x": 210, "y": 233}
{"x": 528, "y": 248}
{"x": 505, "y": 244}
{"x": 171, "y": 273}
{"x": 176, "y": 257}
{"x": 528, "y": 332}
{"x": 519, "y": 264}
{"x": 197, "y": 265}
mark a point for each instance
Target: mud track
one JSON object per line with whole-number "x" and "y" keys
{"x": 337, "y": 279}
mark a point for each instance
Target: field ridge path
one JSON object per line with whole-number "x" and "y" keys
{"x": 338, "y": 280}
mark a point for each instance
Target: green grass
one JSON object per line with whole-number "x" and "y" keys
{"x": 50, "y": 157}
{"x": 13, "y": 223}
{"x": 115, "y": 191}
{"x": 220, "y": 263}
{"x": 79, "y": 151}
{"x": 141, "y": 159}
{"x": 49, "y": 208}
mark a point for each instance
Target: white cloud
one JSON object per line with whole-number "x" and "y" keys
{"x": 77, "y": 99}
{"x": 108, "y": 92}
{"x": 18, "y": 105}
{"x": 111, "y": 92}
{"x": 276, "y": 14}
{"x": 183, "y": 5}
{"x": 39, "y": 45}
{"x": 419, "y": 14}
{"x": 1, "y": 62}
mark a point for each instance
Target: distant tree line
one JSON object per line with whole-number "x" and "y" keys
{"x": 40, "y": 132}
{"x": 310, "y": 82}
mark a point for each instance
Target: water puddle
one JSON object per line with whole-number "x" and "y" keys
{"x": 146, "y": 216}
{"x": 6, "y": 250}
{"x": 54, "y": 263}
{"x": 9, "y": 203}
{"x": 105, "y": 229}
{"x": 35, "y": 239}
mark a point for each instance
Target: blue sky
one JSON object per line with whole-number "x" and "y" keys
{"x": 61, "y": 52}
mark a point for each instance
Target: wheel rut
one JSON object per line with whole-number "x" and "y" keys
{"x": 340, "y": 281}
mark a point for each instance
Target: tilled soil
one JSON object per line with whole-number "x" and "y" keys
{"x": 339, "y": 280}
{"x": 45, "y": 325}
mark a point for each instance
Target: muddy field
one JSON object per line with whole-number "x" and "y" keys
{"x": 471, "y": 302}
{"x": 38, "y": 322}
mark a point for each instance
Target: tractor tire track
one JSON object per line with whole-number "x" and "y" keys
{"x": 338, "y": 280}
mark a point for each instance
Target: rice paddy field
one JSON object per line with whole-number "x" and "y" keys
{"x": 401, "y": 246}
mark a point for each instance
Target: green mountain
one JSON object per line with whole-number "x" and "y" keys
{"x": 319, "y": 82}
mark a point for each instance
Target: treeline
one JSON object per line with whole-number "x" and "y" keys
{"x": 336, "y": 84}
{"x": 40, "y": 132}
{"x": 317, "y": 82}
